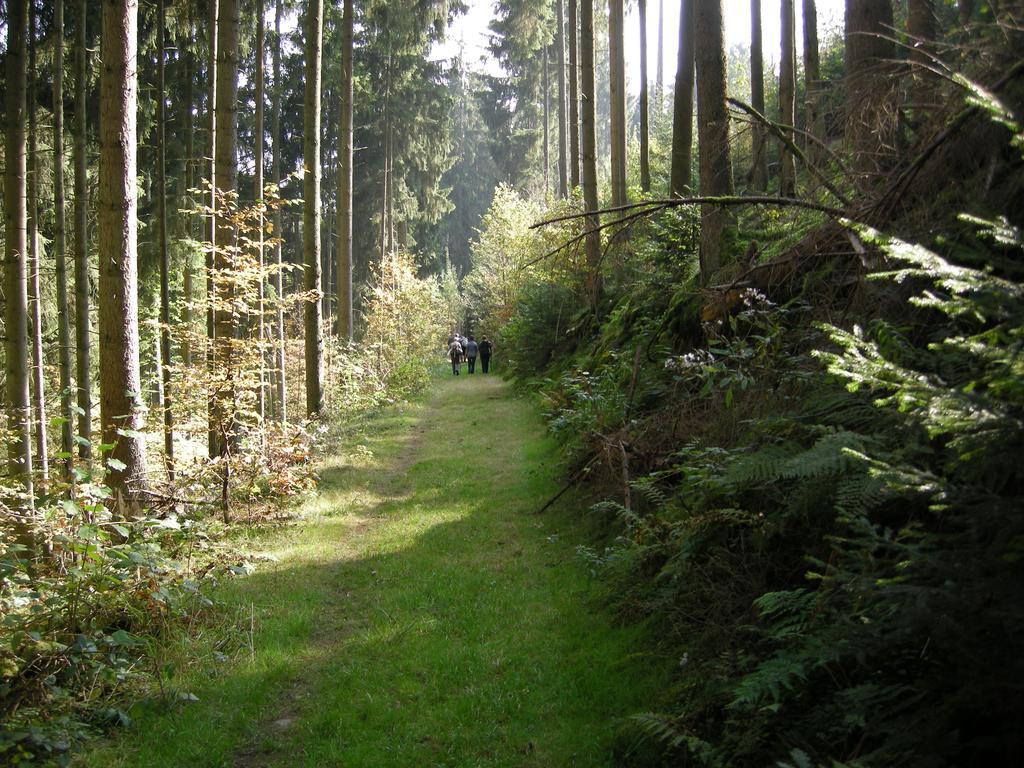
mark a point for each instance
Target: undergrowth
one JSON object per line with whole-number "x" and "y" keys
{"x": 816, "y": 499}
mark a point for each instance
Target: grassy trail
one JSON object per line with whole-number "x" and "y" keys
{"x": 421, "y": 615}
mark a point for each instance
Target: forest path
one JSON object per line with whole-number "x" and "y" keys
{"x": 421, "y": 615}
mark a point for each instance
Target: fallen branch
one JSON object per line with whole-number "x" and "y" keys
{"x": 777, "y": 131}
{"x": 572, "y": 481}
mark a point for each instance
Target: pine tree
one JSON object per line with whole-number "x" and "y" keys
{"x": 589, "y": 138}
{"x": 164, "y": 345}
{"x": 120, "y": 381}
{"x": 311, "y": 211}
{"x": 645, "y": 159}
{"x": 60, "y": 245}
{"x": 682, "y": 118}
{"x": 19, "y": 446}
{"x": 787, "y": 96}
{"x": 617, "y": 93}
{"x": 280, "y": 383}
{"x": 713, "y": 133}
{"x": 83, "y": 375}
{"x": 344, "y": 202}
{"x": 759, "y": 162}
{"x": 574, "y": 97}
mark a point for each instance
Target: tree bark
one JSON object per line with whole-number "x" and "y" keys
{"x": 659, "y": 82}
{"x": 188, "y": 130}
{"x": 682, "y": 117}
{"x": 787, "y": 95}
{"x": 311, "y": 211}
{"x": 546, "y": 88}
{"x": 225, "y": 182}
{"x": 275, "y": 172}
{"x": 213, "y": 23}
{"x": 713, "y": 133}
{"x": 343, "y": 270}
{"x": 164, "y": 345}
{"x": 617, "y": 94}
{"x": 759, "y": 168}
{"x": 60, "y": 245}
{"x": 83, "y": 375}
{"x": 921, "y": 29}
{"x": 120, "y": 383}
{"x": 34, "y": 297}
{"x": 645, "y": 156}
{"x": 870, "y": 94}
{"x": 563, "y": 164}
{"x": 19, "y": 446}
{"x": 812, "y": 78}
{"x": 589, "y": 137}
{"x": 257, "y": 194}
{"x": 574, "y": 98}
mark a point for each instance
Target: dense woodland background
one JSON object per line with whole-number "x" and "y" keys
{"x": 775, "y": 315}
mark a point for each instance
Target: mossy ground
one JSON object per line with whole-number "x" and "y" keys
{"x": 422, "y": 614}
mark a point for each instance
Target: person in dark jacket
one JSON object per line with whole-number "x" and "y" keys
{"x": 486, "y": 348}
{"x": 470, "y": 348}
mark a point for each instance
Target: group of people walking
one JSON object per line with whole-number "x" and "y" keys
{"x": 461, "y": 348}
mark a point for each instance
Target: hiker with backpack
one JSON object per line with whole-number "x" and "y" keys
{"x": 455, "y": 354}
{"x": 486, "y": 347}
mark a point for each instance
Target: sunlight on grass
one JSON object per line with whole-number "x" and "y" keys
{"x": 418, "y": 614}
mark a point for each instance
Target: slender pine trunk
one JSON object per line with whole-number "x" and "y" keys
{"x": 546, "y": 88}
{"x": 60, "y": 245}
{"x": 563, "y": 161}
{"x": 682, "y": 115}
{"x": 344, "y": 202}
{"x": 645, "y": 150}
{"x": 275, "y": 173}
{"x": 589, "y": 137}
{"x": 19, "y": 445}
{"x": 311, "y": 211}
{"x": 258, "y": 155}
{"x": 164, "y": 345}
{"x": 787, "y": 96}
{"x": 617, "y": 94}
{"x": 759, "y": 154}
{"x": 812, "y": 77}
{"x": 35, "y": 304}
{"x": 574, "y": 97}
{"x": 225, "y": 231}
{"x": 212, "y": 437}
{"x": 83, "y": 375}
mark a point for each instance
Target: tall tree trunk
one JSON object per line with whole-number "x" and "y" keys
{"x": 682, "y": 113}
{"x": 343, "y": 271}
{"x": 213, "y": 22}
{"x": 563, "y": 164}
{"x": 589, "y": 137}
{"x": 812, "y": 77}
{"x": 34, "y": 297}
{"x": 870, "y": 94}
{"x": 659, "y": 83}
{"x": 645, "y": 152}
{"x": 257, "y": 193}
{"x": 83, "y": 375}
{"x": 574, "y": 98}
{"x": 546, "y": 88}
{"x": 120, "y": 382}
{"x": 60, "y": 244}
{"x": 311, "y": 210}
{"x": 713, "y": 133}
{"x": 617, "y": 94}
{"x": 275, "y": 173}
{"x": 759, "y": 154}
{"x": 188, "y": 130}
{"x": 19, "y": 445}
{"x": 921, "y": 28}
{"x": 787, "y": 96}
{"x": 225, "y": 182}
{"x": 164, "y": 345}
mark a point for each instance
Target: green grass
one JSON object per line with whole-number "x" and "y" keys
{"x": 421, "y": 615}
